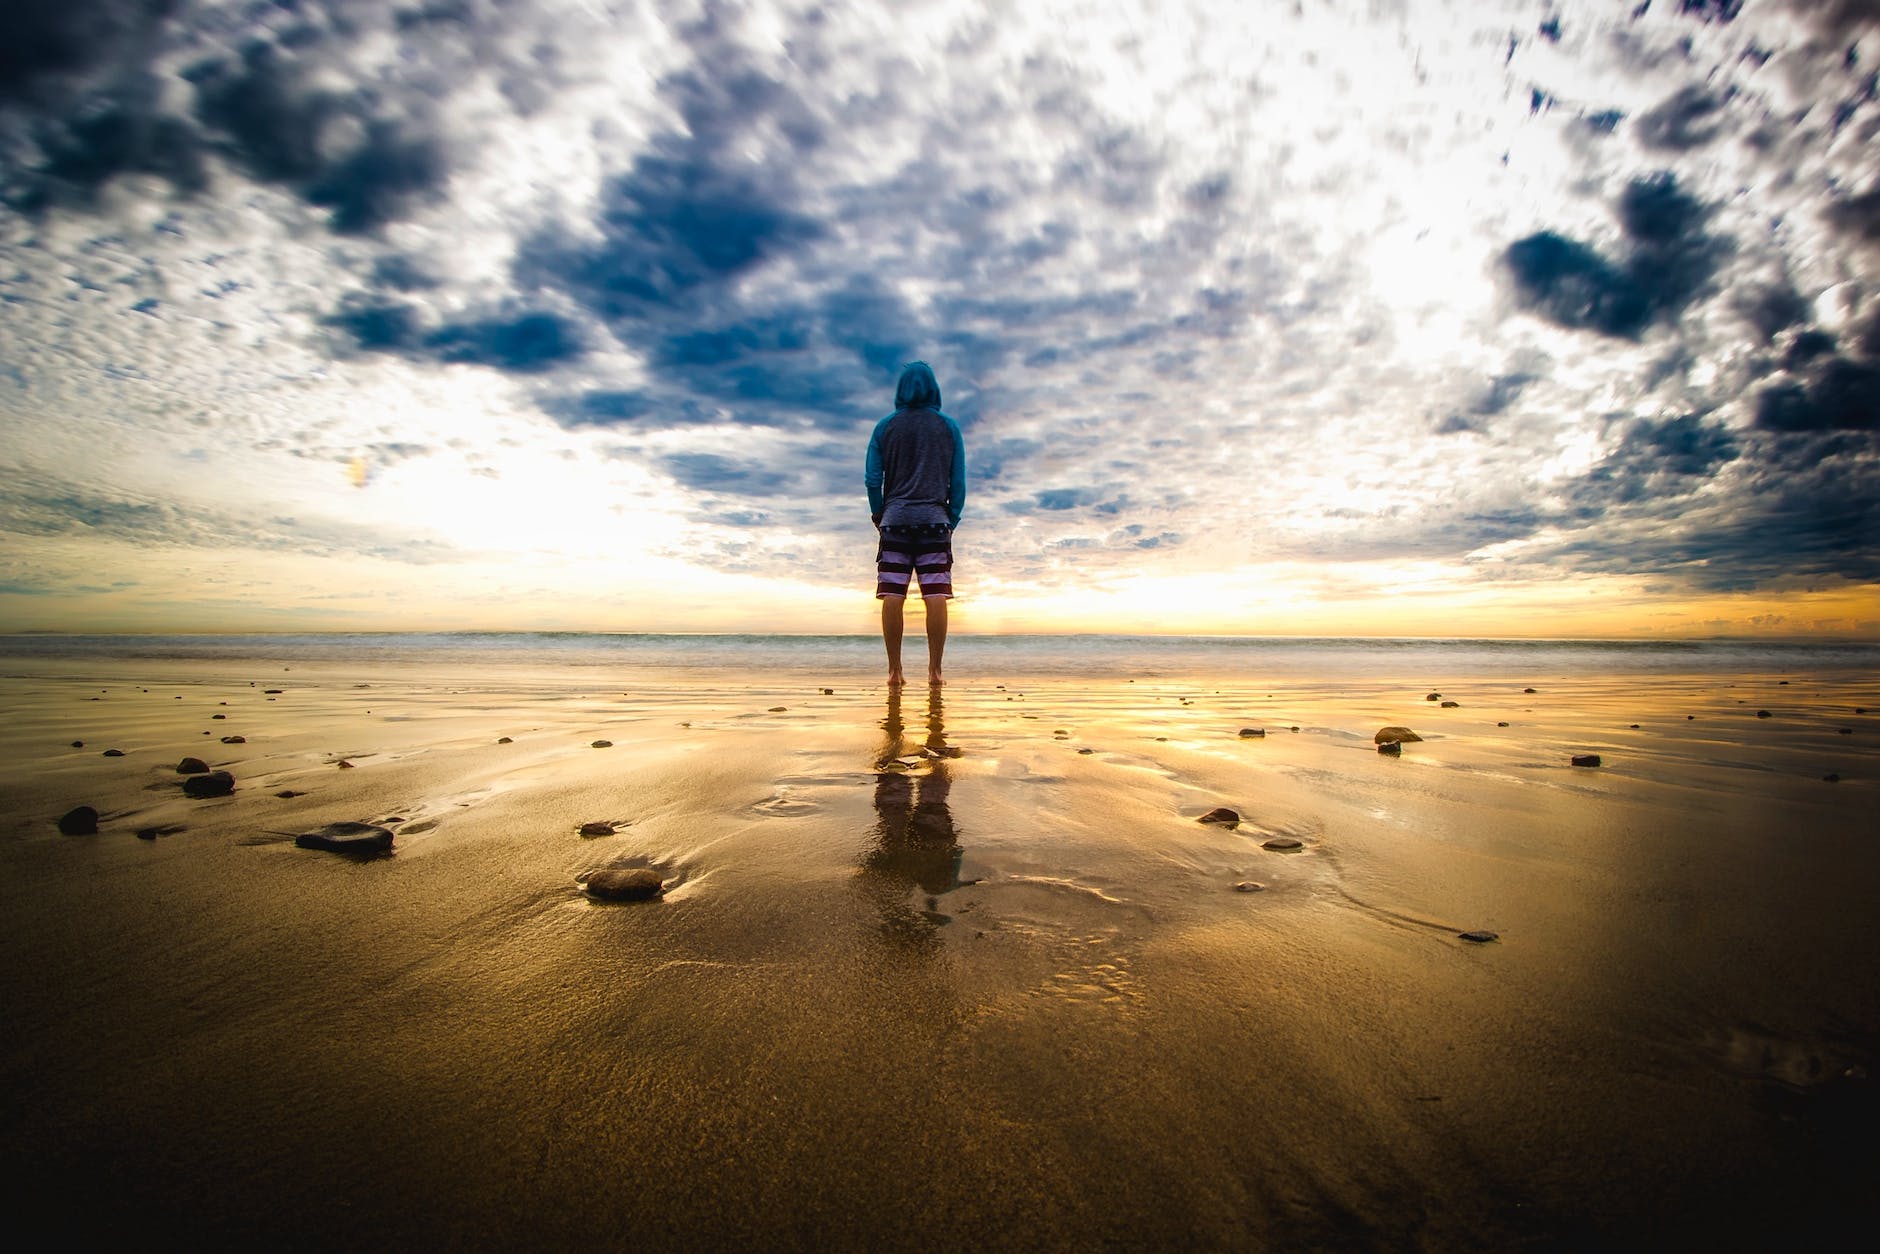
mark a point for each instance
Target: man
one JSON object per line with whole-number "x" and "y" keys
{"x": 916, "y": 478}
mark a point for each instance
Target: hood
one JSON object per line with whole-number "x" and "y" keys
{"x": 918, "y": 389}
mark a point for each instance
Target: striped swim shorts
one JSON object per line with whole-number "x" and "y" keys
{"x": 925, "y": 553}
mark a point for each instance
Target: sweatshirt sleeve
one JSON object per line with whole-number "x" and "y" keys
{"x": 872, "y": 473}
{"x": 956, "y": 494}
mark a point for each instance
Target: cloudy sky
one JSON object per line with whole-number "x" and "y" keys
{"x": 1391, "y": 317}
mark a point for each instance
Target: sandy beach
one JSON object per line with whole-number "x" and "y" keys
{"x": 956, "y": 968}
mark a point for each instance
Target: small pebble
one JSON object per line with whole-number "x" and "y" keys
{"x": 1391, "y": 749}
{"x": 602, "y": 744}
{"x": 1249, "y": 886}
{"x": 79, "y": 821}
{"x": 1847, "y": 731}
{"x": 617, "y": 884}
{"x": 114, "y": 753}
{"x": 214, "y": 784}
{"x": 78, "y": 744}
{"x": 1831, "y": 778}
{"x": 344, "y": 765}
{"x": 1529, "y": 690}
{"x": 216, "y": 716}
{"x": 1086, "y": 751}
{"x": 1451, "y": 705}
{"x": 779, "y": 709}
{"x": 1764, "y": 714}
{"x": 1249, "y": 733}
{"x": 504, "y": 740}
{"x": 1501, "y": 724}
{"x": 829, "y": 692}
{"x": 597, "y": 829}
{"x": 1220, "y": 814}
{"x": 287, "y": 792}
{"x": 234, "y": 740}
{"x": 1480, "y": 938}
{"x": 1280, "y": 842}
{"x": 1586, "y": 759}
{"x": 1434, "y": 696}
{"x": 192, "y": 766}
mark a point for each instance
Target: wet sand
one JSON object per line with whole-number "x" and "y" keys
{"x": 959, "y": 970}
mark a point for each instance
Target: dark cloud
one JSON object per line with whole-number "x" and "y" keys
{"x": 1857, "y": 215}
{"x": 710, "y": 472}
{"x": 1658, "y": 459}
{"x": 1711, "y": 10}
{"x": 1769, "y": 308}
{"x": 527, "y": 342}
{"x": 1690, "y": 118}
{"x": 44, "y": 43}
{"x": 1670, "y": 261}
{"x": 1838, "y": 395}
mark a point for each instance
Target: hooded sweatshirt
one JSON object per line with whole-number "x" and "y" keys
{"x": 915, "y": 471}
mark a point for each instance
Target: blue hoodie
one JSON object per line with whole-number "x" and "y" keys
{"x": 915, "y": 470}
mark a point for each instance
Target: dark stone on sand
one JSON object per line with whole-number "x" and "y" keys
{"x": 272, "y": 692}
{"x": 192, "y": 766}
{"x": 1250, "y": 886}
{"x": 214, "y": 784}
{"x": 597, "y": 829}
{"x": 1452, "y": 705}
{"x": 1530, "y": 690}
{"x": 1391, "y": 749}
{"x": 1220, "y": 814}
{"x": 1846, "y": 731}
{"x": 779, "y": 709}
{"x": 344, "y": 765}
{"x": 1086, "y": 751}
{"x": 602, "y": 744}
{"x": 1586, "y": 759}
{"x": 287, "y": 792}
{"x": 1764, "y": 714}
{"x": 1480, "y": 938}
{"x": 215, "y": 716}
{"x": 1281, "y": 842}
{"x": 1253, "y": 733}
{"x": 1395, "y": 733}
{"x": 504, "y": 740}
{"x": 78, "y": 744}
{"x": 148, "y": 833}
{"x": 1633, "y": 726}
{"x": 625, "y": 884}
{"x": 79, "y": 821}
{"x": 1501, "y": 724}
{"x": 1860, "y": 709}
{"x": 829, "y": 692}
{"x": 1434, "y": 696}
{"x": 1830, "y": 778}
{"x": 349, "y": 838}
{"x": 114, "y": 753}
{"x": 234, "y": 740}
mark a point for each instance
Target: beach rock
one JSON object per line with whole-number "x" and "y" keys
{"x": 625, "y": 884}
{"x": 216, "y": 716}
{"x": 1845, "y": 731}
{"x": 288, "y": 792}
{"x": 1501, "y": 724}
{"x": 1480, "y": 938}
{"x": 1452, "y": 705}
{"x": 113, "y": 753}
{"x": 79, "y": 821}
{"x": 214, "y": 784}
{"x": 1586, "y": 759}
{"x": 344, "y": 765}
{"x": 78, "y": 744}
{"x": 1764, "y": 714}
{"x": 272, "y": 692}
{"x": 1220, "y": 814}
{"x": 234, "y": 740}
{"x": 1395, "y": 733}
{"x": 597, "y": 829}
{"x": 1530, "y": 690}
{"x": 779, "y": 709}
{"x": 829, "y": 692}
{"x": 1434, "y": 696}
{"x": 1391, "y": 749}
{"x": 1250, "y": 886}
{"x": 1830, "y": 778}
{"x": 504, "y": 740}
{"x": 1253, "y": 733}
{"x": 356, "y": 839}
{"x": 1860, "y": 709}
{"x": 602, "y": 744}
{"x": 1281, "y": 842}
{"x": 192, "y": 766}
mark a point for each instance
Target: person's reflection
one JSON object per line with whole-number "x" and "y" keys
{"x": 916, "y": 847}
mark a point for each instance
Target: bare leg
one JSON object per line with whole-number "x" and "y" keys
{"x": 936, "y": 637}
{"x": 891, "y": 608}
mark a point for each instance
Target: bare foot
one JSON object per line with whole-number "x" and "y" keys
{"x": 896, "y": 679}
{"x": 934, "y": 680}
